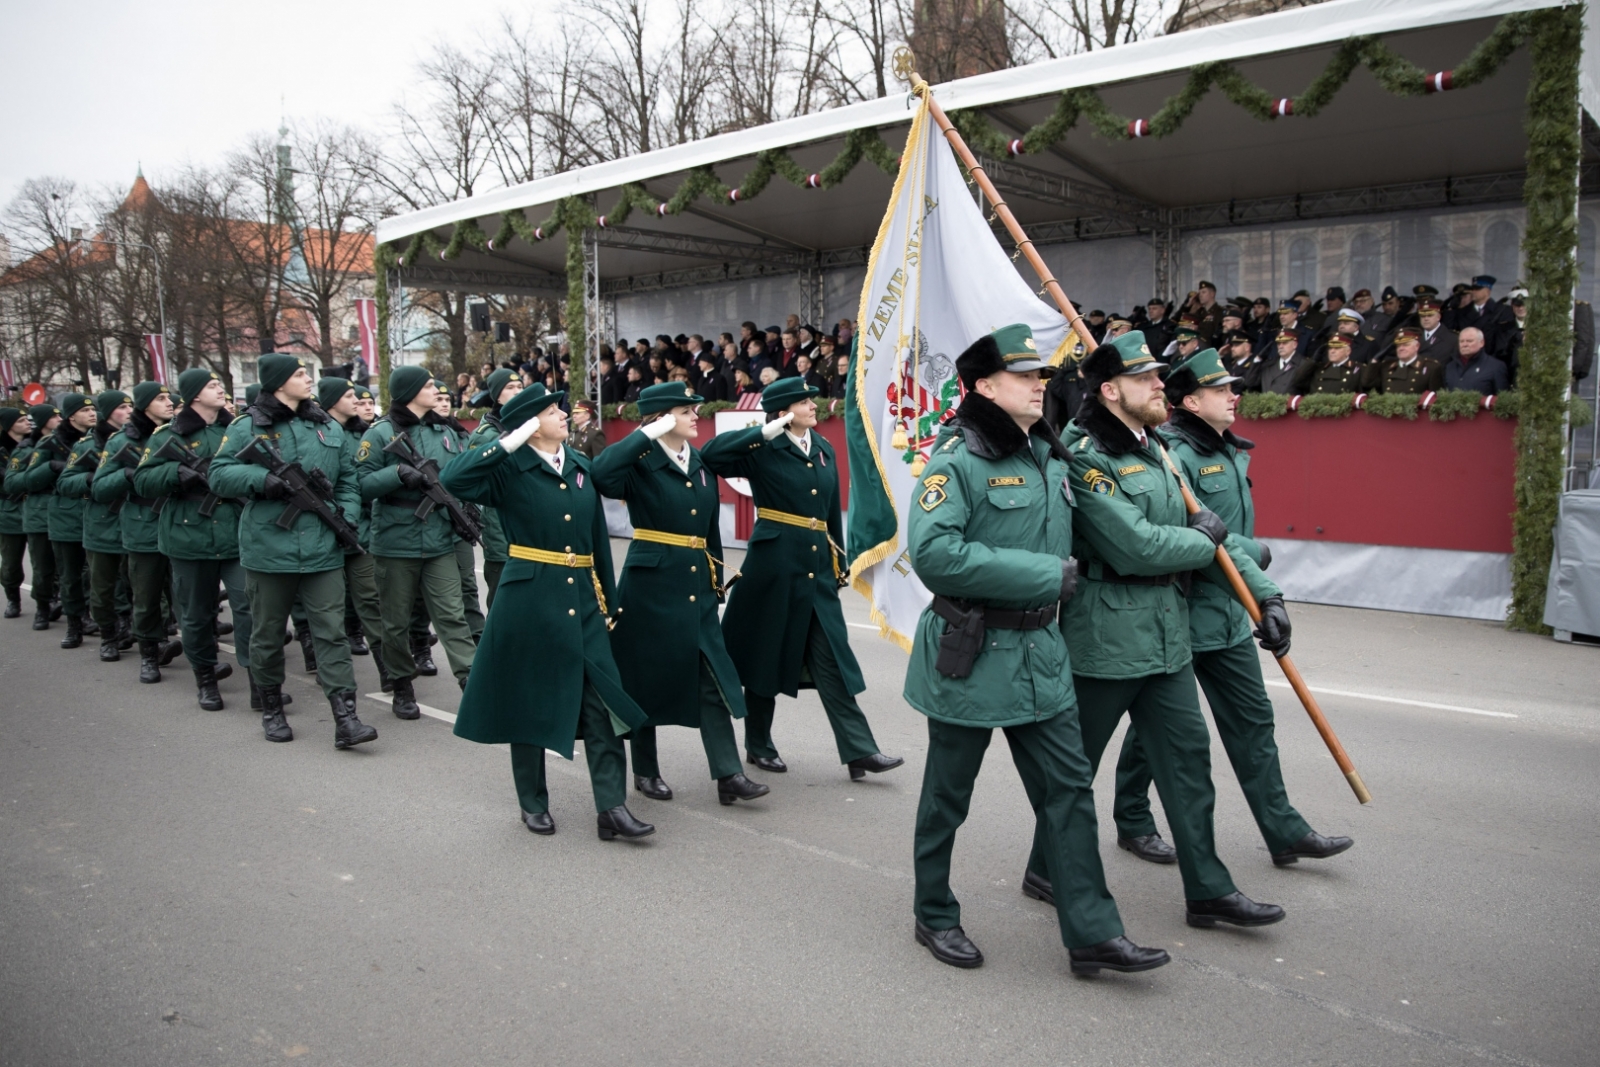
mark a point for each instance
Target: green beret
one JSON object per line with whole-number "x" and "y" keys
{"x": 493, "y": 386}
{"x": 331, "y": 390}
{"x": 526, "y": 404}
{"x": 8, "y": 418}
{"x": 783, "y": 393}
{"x": 276, "y": 368}
{"x": 110, "y": 400}
{"x": 406, "y": 382}
{"x": 191, "y": 381}
{"x": 251, "y": 391}
{"x": 1128, "y": 354}
{"x": 41, "y": 414}
{"x": 145, "y": 393}
{"x": 1201, "y": 370}
{"x": 1008, "y": 348}
{"x": 73, "y": 403}
{"x": 655, "y": 399}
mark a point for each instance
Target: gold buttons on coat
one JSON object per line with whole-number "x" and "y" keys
{"x": 813, "y": 548}
{"x": 694, "y": 570}
{"x": 567, "y": 517}
{"x": 811, "y": 464}
{"x": 569, "y": 581}
{"x": 571, "y": 611}
{"x": 813, "y": 492}
{"x": 567, "y": 549}
{"x": 810, "y": 575}
{"x": 694, "y": 511}
{"x": 688, "y": 485}
{"x": 563, "y": 485}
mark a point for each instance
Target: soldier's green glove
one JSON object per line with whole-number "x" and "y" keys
{"x": 1208, "y": 523}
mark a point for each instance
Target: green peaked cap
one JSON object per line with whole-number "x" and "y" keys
{"x": 655, "y": 399}
{"x": 1017, "y": 348}
{"x": 1206, "y": 366}
{"x": 526, "y": 404}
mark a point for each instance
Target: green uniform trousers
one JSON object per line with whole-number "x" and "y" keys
{"x": 467, "y": 562}
{"x": 12, "y": 548}
{"x": 150, "y": 577}
{"x": 439, "y": 581}
{"x": 491, "y": 579}
{"x": 106, "y": 571}
{"x": 321, "y": 593}
{"x": 71, "y": 563}
{"x": 42, "y": 562}
{"x": 601, "y": 747}
{"x": 1060, "y": 786}
{"x": 716, "y": 734}
{"x": 362, "y": 600}
{"x": 1231, "y": 678}
{"x": 850, "y": 730}
{"x": 195, "y": 587}
{"x": 1165, "y": 709}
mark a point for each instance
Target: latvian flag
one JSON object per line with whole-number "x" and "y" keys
{"x": 155, "y": 346}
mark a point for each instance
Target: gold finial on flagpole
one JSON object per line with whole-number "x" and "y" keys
{"x": 903, "y": 64}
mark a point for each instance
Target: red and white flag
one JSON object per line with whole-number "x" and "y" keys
{"x": 367, "y": 316}
{"x": 155, "y": 346}
{"x": 8, "y": 375}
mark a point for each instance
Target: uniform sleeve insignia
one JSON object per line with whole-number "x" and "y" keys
{"x": 1135, "y": 468}
{"x": 933, "y": 493}
{"x": 1217, "y": 468}
{"x": 364, "y": 451}
{"x": 1099, "y": 482}
{"x": 1014, "y": 480}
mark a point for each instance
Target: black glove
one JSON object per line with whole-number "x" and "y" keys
{"x": 1266, "y": 556}
{"x": 190, "y": 480}
{"x": 1273, "y": 632}
{"x": 128, "y": 473}
{"x": 1209, "y": 524}
{"x": 58, "y": 465}
{"x": 274, "y": 488}
{"x": 1069, "y": 579}
{"x": 410, "y": 477}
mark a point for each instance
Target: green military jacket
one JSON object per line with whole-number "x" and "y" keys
{"x": 788, "y": 570}
{"x": 494, "y": 532}
{"x": 1131, "y": 521}
{"x": 184, "y": 533}
{"x": 667, "y": 601}
{"x": 354, "y": 429}
{"x": 991, "y": 524}
{"x": 396, "y": 531}
{"x": 135, "y": 524}
{"x": 306, "y": 434}
{"x": 545, "y": 636}
{"x": 65, "y": 503}
{"x": 35, "y": 504}
{"x": 102, "y": 531}
{"x": 12, "y": 463}
{"x": 1216, "y": 466}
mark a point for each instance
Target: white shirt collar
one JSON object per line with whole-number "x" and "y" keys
{"x": 553, "y": 458}
{"x": 802, "y": 442}
{"x": 680, "y": 459}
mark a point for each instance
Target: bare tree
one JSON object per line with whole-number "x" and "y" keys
{"x": 57, "y": 287}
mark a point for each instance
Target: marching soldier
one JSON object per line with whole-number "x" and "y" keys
{"x": 36, "y": 515}
{"x": 363, "y": 609}
{"x": 990, "y": 537}
{"x": 466, "y": 554}
{"x": 1338, "y": 374}
{"x": 1216, "y": 463}
{"x": 412, "y": 555}
{"x": 291, "y": 440}
{"x": 198, "y": 531}
{"x": 497, "y": 392}
{"x": 556, "y": 587}
{"x": 668, "y": 640}
{"x": 1406, "y": 371}
{"x": 1128, "y": 629}
{"x": 66, "y": 447}
{"x": 784, "y": 626}
{"x": 15, "y": 426}
{"x": 102, "y": 528}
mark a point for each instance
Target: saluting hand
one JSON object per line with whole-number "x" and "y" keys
{"x": 772, "y": 429}
{"x": 662, "y": 426}
{"x": 515, "y": 439}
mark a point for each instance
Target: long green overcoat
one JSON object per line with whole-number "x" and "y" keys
{"x": 184, "y": 532}
{"x": 136, "y": 525}
{"x": 545, "y": 634}
{"x": 494, "y": 532}
{"x": 102, "y": 531}
{"x": 1131, "y": 520}
{"x": 991, "y": 524}
{"x": 667, "y": 601}
{"x": 788, "y": 570}
{"x": 67, "y": 501}
{"x": 396, "y": 532}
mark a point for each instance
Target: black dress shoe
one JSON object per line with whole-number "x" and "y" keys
{"x": 1118, "y": 954}
{"x": 738, "y": 787}
{"x": 1149, "y": 847}
{"x": 1235, "y": 909}
{"x": 950, "y": 946}
{"x": 539, "y": 822}
{"x": 1313, "y": 846}
{"x": 876, "y": 763}
{"x": 654, "y": 788}
{"x": 773, "y": 764}
{"x": 619, "y": 822}
{"x": 1038, "y": 887}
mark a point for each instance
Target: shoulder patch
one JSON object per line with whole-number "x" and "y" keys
{"x": 933, "y": 493}
{"x": 364, "y": 451}
{"x": 1099, "y": 482}
{"x": 1215, "y": 468}
{"x": 1132, "y": 468}
{"x": 1009, "y": 480}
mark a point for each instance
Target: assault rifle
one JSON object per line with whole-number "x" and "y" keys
{"x": 468, "y": 523}
{"x": 308, "y": 491}
{"x": 115, "y": 507}
{"x": 171, "y": 449}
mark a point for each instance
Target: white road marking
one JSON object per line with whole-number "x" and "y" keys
{"x": 227, "y": 648}
{"x": 432, "y": 713}
{"x": 1400, "y": 700}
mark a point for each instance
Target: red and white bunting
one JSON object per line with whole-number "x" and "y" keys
{"x": 813, "y": 181}
{"x": 733, "y": 196}
{"x": 1284, "y": 107}
{"x": 8, "y": 375}
{"x": 1441, "y": 82}
{"x": 367, "y": 320}
{"x": 661, "y": 211}
{"x": 155, "y": 348}
{"x": 1014, "y": 147}
{"x": 1139, "y": 128}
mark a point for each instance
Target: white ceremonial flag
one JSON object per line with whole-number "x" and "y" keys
{"x": 937, "y": 280}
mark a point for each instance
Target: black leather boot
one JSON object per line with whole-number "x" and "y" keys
{"x": 89, "y": 626}
{"x": 384, "y": 681}
{"x": 109, "y": 652}
{"x": 224, "y": 670}
{"x": 13, "y": 603}
{"x": 55, "y": 608}
{"x": 205, "y": 679}
{"x": 149, "y": 662}
{"x": 347, "y": 729}
{"x": 74, "y": 636}
{"x": 405, "y": 700}
{"x": 170, "y": 650}
{"x": 41, "y": 619}
{"x": 619, "y": 822}
{"x": 224, "y": 628}
{"x": 422, "y": 656}
{"x": 125, "y": 639}
{"x": 302, "y": 633}
{"x": 738, "y": 787}
{"x": 357, "y": 637}
{"x": 255, "y": 695}
{"x": 273, "y": 724}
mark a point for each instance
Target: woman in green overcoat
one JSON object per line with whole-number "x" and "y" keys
{"x": 545, "y": 673}
{"x": 668, "y": 640}
{"x": 784, "y": 627}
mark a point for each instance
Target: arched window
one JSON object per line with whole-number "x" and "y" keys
{"x": 1366, "y": 262}
{"x": 1225, "y": 270}
{"x": 1501, "y": 256}
{"x": 1303, "y": 265}
{"x": 1420, "y": 254}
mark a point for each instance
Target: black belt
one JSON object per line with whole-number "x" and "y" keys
{"x": 1100, "y": 571}
{"x": 142, "y": 501}
{"x": 404, "y": 500}
{"x": 953, "y": 611}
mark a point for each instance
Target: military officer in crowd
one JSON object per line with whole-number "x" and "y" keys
{"x": 497, "y": 392}
{"x": 1338, "y": 373}
{"x": 784, "y": 627}
{"x": 558, "y": 589}
{"x": 412, "y": 556}
{"x": 1406, "y": 371}
{"x": 1127, "y": 629}
{"x": 1278, "y": 372}
{"x": 15, "y": 427}
{"x": 991, "y": 537}
{"x": 199, "y": 531}
{"x": 137, "y": 526}
{"x": 363, "y": 613}
{"x": 102, "y": 528}
{"x": 668, "y": 639}
{"x": 305, "y": 561}
{"x": 1216, "y": 463}
{"x": 1438, "y": 341}
{"x": 68, "y": 445}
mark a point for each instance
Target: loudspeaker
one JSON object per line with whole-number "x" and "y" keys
{"x": 480, "y": 317}
{"x": 502, "y": 333}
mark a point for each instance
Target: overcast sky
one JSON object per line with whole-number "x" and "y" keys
{"x": 90, "y": 88}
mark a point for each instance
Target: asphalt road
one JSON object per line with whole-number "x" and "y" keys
{"x": 174, "y": 890}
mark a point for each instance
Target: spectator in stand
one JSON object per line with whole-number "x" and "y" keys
{"x": 635, "y": 384}
{"x": 791, "y": 324}
{"x": 774, "y": 339}
{"x": 788, "y": 352}
{"x": 1097, "y": 325}
{"x": 756, "y": 354}
{"x": 1158, "y": 330}
{"x": 841, "y": 377}
{"x": 1495, "y": 321}
{"x": 1116, "y": 328}
{"x": 1381, "y": 322}
{"x": 1340, "y": 373}
{"x": 748, "y": 395}
{"x": 769, "y": 374}
{"x": 585, "y": 435}
{"x": 612, "y": 383}
{"x": 1362, "y": 302}
{"x": 466, "y": 385}
{"x": 678, "y": 374}
{"x": 1207, "y": 312}
{"x": 484, "y": 371}
{"x": 807, "y": 371}
{"x": 1238, "y": 355}
{"x": 1277, "y": 373}
{"x": 713, "y": 384}
{"x": 1333, "y": 302}
{"x": 1438, "y": 340}
{"x": 680, "y": 355}
{"x": 694, "y": 348}
{"x": 655, "y": 369}
{"x": 1233, "y": 317}
{"x": 1519, "y": 324}
{"x": 747, "y": 331}
{"x": 1363, "y": 347}
{"x": 1406, "y": 371}
{"x": 1474, "y": 367}
{"x": 1260, "y": 321}
{"x": 1185, "y": 343}
{"x": 845, "y": 332}
{"x": 1289, "y": 322}
{"x": 641, "y": 351}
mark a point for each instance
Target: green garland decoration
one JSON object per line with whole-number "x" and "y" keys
{"x": 1263, "y": 406}
{"x": 1392, "y": 406}
{"x": 1325, "y": 406}
{"x": 1549, "y": 248}
{"x": 1452, "y": 404}
{"x": 383, "y": 261}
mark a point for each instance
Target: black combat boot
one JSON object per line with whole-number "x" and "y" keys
{"x": 170, "y": 650}
{"x": 109, "y": 652}
{"x": 224, "y": 628}
{"x": 149, "y": 662}
{"x": 357, "y": 637}
{"x": 405, "y": 700}
{"x": 55, "y": 608}
{"x": 255, "y": 695}
{"x": 273, "y": 724}
{"x": 74, "y": 636}
{"x": 205, "y": 679}
{"x": 422, "y": 656}
{"x": 347, "y": 729}
{"x": 125, "y": 639}
{"x": 224, "y": 670}
{"x": 384, "y": 681}
{"x": 13, "y": 603}
{"x": 90, "y": 627}
{"x": 41, "y": 619}
{"x": 302, "y": 633}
